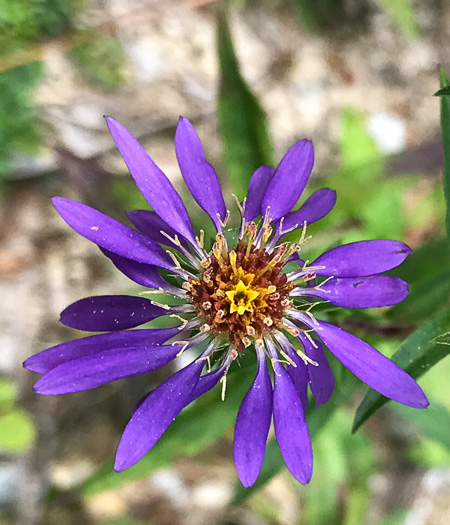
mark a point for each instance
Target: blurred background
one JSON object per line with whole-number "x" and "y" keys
{"x": 355, "y": 76}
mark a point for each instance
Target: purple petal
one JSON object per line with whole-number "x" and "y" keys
{"x": 110, "y": 312}
{"x": 300, "y": 378}
{"x": 320, "y": 377}
{"x": 290, "y": 425}
{"x": 199, "y": 176}
{"x": 57, "y": 355}
{"x": 252, "y": 425}
{"x": 152, "y": 182}
{"x": 316, "y": 207}
{"x": 361, "y": 292}
{"x": 143, "y": 274}
{"x": 155, "y": 414}
{"x": 207, "y": 382}
{"x": 369, "y": 365}
{"x": 289, "y": 180}
{"x": 362, "y": 258}
{"x": 111, "y": 234}
{"x": 150, "y": 224}
{"x": 104, "y": 367}
{"x": 295, "y": 257}
{"x": 257, "y": 188}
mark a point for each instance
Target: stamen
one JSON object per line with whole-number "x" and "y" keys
{"x": 319, "y": 286}
{"x": 284, "y": 342}
{"x": 187, "y": 286}
{"x": 266, "y": 236}
{"x": 183, "y": 348}
{"x": 250, "y": 331}
{"x": 250, "y": 231}
{"x": 161, "y": 305}
{"x": 223, "y": 223}
{"x": 241, "y": 208}
{"x": 174, "y": 259}
{"x": 172, "y": 291}
{"x": 307, "y": 334}
{"x": 223, "y": 380}
{"x": 193, "y": 341}
{"x": 263, "y": 227}
{"x": 201, "y": 240}
{"x": 303, "y": 237}
{"x": 288, "y": 359}
{"x": 232, "y": 256}
{"x": 274, "y": 261}
{"x": 274, "y": 360}
{"x": 184, "y": 322}
{"x": 293, "y": 276}
{"x": 290, "y": 327}
{"x": 205, "y": 263}
{"x": 175, "y": 239}
{"x": 311, "y": 316}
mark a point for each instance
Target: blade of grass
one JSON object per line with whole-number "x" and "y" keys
{"x": 416, "y": 355}
{"x": 445, "y": 132}
{"x": 243, "y": 123}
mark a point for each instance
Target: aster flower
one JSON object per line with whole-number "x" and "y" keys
{"x": 233, "y": 297}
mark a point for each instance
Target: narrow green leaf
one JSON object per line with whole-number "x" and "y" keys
{"x": 243, "y": 123}
{"x": 416, "y": 355}
{"x": 442, "y": 92}
{"x": 445, "y": 132}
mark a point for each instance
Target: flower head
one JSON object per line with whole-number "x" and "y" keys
{"x": 234, "y": 297}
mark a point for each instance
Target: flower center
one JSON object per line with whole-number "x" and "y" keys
{"x": 241, "y": 298}
{"x": 242, "y": 293}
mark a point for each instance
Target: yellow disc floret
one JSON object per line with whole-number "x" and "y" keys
{"x": 241, "y": 298}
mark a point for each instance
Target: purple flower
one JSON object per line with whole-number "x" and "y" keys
{"x": 233, "y": 297}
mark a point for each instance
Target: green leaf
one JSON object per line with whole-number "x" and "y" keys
{"x": 243, "y": 123}
{"x": 16, "y": 432}
{"x": 443, "y": 92}
{"x": 445, "y": 132}
{"x": 416, "y": 355}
